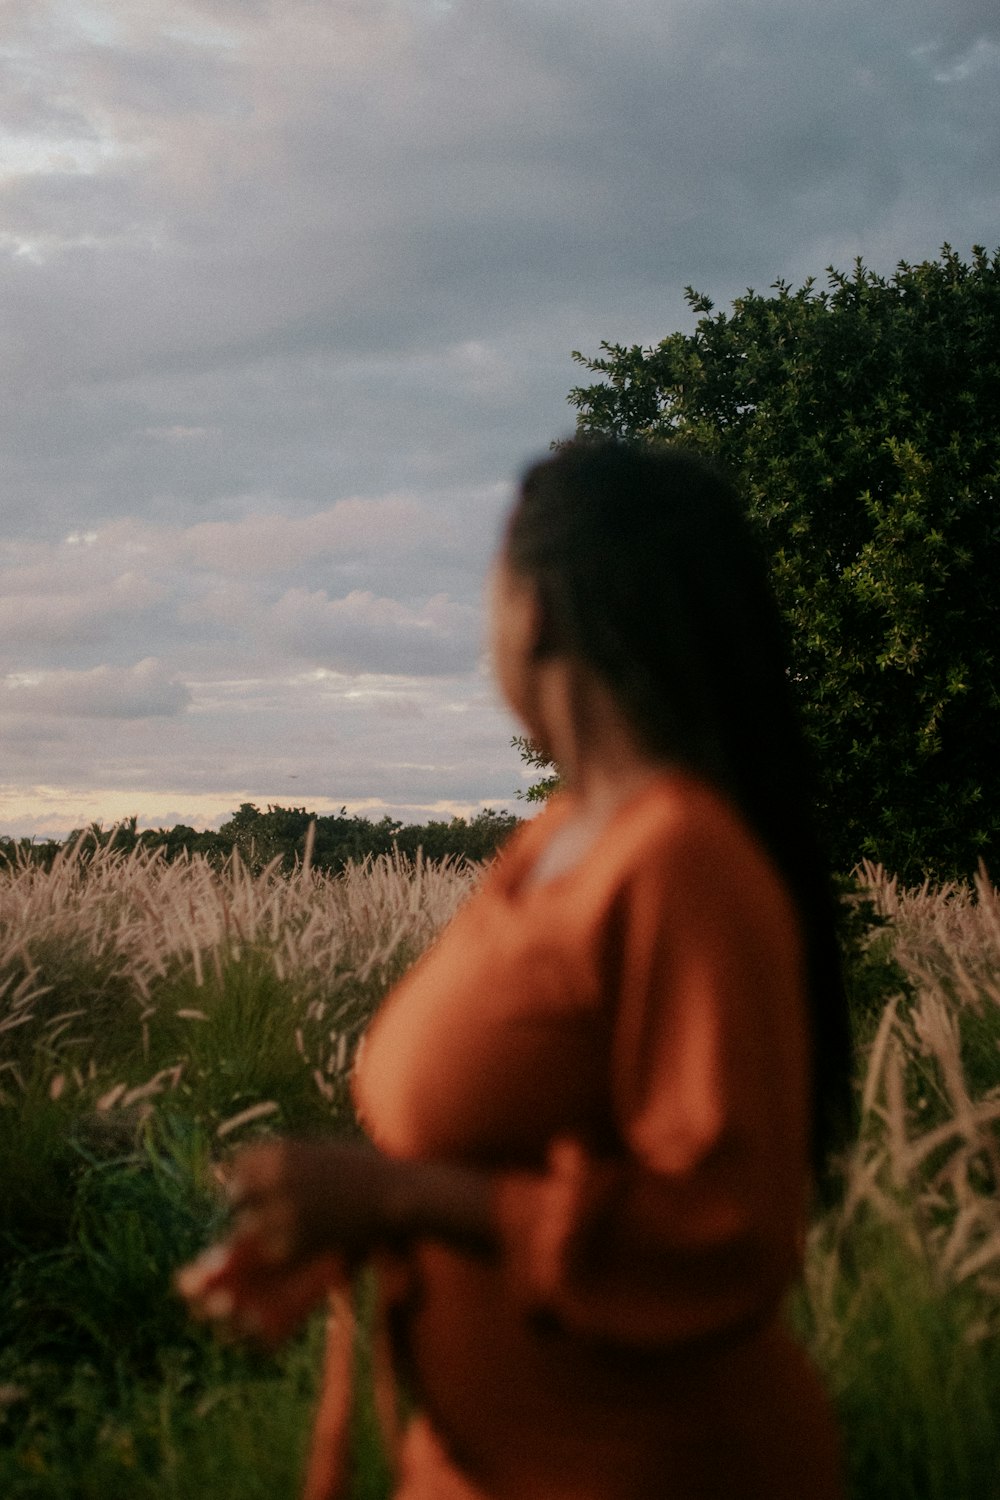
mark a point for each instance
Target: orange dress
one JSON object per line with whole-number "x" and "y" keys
{"x": 624, "y": 1048}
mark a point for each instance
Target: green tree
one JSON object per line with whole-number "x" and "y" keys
{"x": 534, "y": 758}
{"x": 863, "y": 422}
{"x": 338, "y": 837}
{"x": 253, "y": 835}
{"x": 479, "y": 838}
{"x": 283, "y": 832}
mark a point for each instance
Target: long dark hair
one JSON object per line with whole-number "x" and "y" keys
{"x": 648, "y": 572}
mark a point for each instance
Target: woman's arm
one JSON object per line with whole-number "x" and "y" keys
{"x": 301, "y": 1198}
{"x": 692, "y": 1226}
{"x": 307, "y": 1212}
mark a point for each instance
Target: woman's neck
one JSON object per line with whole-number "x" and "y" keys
{"x": 599, "y": 756}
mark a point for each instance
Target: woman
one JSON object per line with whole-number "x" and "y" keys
{"x": 599, "y": 1101}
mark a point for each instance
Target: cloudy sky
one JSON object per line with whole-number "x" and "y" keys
{"x": 288, "y": 297}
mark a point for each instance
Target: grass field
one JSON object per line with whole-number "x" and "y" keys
{"x": 155, "y": 1016}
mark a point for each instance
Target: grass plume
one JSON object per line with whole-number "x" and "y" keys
{"x": 154, "y": 1015}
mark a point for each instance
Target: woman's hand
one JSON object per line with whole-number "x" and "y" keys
{"x": 237, "y": 1288}
{"x": 305, "y": 1213}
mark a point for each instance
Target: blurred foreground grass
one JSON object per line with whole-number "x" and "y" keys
{"x": 154, "y": 1016}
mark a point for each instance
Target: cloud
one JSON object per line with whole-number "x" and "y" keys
{"x": 412, "y": 175}
{"x": 363, "y": 633}
{"x": 412, "y": 748}
{"x": 289, "y": 292}
{"x": 303, "y": 212}
{"x": 276, "y": 543}
{"x": 31, "y": 619}
{"x": 143, "y": 691}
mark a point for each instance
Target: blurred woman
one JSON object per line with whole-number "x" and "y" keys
{"x": 598, "y": 1104}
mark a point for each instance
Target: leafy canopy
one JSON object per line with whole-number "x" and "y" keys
{"x": 283, "y": 835}
{"x": 863, "y": 421}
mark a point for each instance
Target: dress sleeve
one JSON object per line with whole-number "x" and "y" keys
{"x": 692, "y": 1225}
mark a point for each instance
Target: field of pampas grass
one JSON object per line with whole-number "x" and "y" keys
{"x": 900, "y": 1302}
{"x": 124, "y": 978}
{"x": 153, "y": 1016}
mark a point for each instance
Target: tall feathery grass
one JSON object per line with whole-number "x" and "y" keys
{"x": 124, "y": 979}
{"x": 900, "y": 1301}
{"x": 152, "y": 1016}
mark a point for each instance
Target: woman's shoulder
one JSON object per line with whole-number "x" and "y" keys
{"x": 682, "y": 841}
{"x": 703, "y": 865}
{"x": 679, "y": 816}
{"x": 677, "y": 832}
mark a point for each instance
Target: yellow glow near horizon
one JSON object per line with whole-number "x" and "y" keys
{"x": 52, "y": 812}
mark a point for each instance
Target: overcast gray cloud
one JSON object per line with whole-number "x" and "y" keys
{"x": 140, "y": 692}
{"x": 288, "y": 295}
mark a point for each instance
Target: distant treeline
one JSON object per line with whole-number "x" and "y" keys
{"x": 284, "y": 833}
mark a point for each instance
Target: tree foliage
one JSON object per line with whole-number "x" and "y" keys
{"x": 535, "y": 759}
{"x": 862, "y": 423}
{"x": 283, "y": 834}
